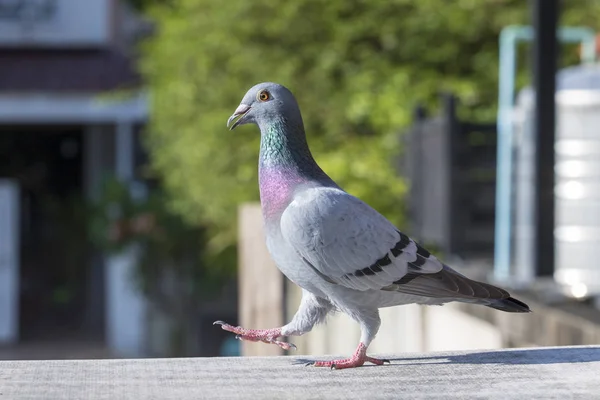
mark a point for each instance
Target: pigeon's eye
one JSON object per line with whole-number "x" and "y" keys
{"x": 263, "y": 95}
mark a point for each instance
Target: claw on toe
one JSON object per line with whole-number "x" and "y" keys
{"x": 224, "y": 325}
{"x": 283, "y": 345}
{"x": 227, "y": 327}
{"x": 291, "y": 346}
{"x": 377, "y": 361}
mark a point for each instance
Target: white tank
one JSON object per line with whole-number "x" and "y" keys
{"x": 577, "y": 186}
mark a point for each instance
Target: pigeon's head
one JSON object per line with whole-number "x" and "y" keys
{"x": 264, "y": 103}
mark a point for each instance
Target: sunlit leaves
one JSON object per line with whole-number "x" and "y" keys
{"x": 357, "y": 67}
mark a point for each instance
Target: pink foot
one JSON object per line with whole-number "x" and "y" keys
{"x": 256, "y": 335}
{"x": 358, "y": 359}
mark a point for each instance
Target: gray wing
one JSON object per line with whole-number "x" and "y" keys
{"x": 349, "y": 243}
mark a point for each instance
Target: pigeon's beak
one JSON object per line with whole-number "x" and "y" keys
{"x": 237, "y": 116}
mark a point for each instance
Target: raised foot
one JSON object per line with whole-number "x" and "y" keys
{"x": 256, "y": 335}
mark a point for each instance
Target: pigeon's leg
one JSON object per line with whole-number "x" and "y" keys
{"x": 369, "y": 325}
{"x": 312, "y": 310}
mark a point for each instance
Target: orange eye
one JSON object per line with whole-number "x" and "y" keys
{"x": 263, "y": 96}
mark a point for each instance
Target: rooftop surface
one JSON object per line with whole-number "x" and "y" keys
{"x": 559, "y": 372}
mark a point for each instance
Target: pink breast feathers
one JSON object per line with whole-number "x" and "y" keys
{"x": 277, "y": 187}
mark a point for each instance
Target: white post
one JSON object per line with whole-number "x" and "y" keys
{"x": 125, "y": 305}
{"x": 9, "y": 262}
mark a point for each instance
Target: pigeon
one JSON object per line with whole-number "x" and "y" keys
{"x": 345, "y": 255}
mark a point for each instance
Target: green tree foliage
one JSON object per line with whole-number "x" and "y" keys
{"x": 357, "y": 68}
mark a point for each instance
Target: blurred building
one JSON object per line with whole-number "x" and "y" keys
{"x": 59, "y": 134}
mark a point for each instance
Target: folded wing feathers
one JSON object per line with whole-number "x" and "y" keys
{"x": 446, "y": 284}
{"x": 402, "y": 264}
{"x": 414, "y": 270}
{"x": 405, "y": 256}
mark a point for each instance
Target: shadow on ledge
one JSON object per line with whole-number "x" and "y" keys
{"x": 555, "y": 355}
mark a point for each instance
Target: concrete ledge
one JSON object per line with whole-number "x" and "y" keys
{"x": 559, "y": 372}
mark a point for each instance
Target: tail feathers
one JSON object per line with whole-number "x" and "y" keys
{"x": 509, "y": 305}
{"x": 450, "y": 285}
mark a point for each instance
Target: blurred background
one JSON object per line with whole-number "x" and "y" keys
{"x": 129, "y": 219}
